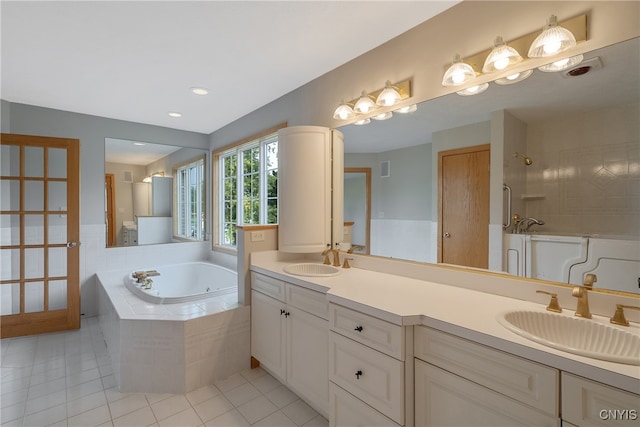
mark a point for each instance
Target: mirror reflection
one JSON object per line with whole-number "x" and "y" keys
{"x": 154, "y": 193}
{"x": 567, "y": 147}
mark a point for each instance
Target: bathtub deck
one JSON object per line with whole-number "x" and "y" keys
{"x": 171, "y": 348}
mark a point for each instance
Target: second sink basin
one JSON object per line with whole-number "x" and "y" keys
{"x": 312, "y": 269}
{"x": 578, "y": 336}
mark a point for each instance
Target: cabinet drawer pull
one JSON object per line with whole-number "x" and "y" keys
{"x": 286, "y": 314}
{"x": 358, "y": 374}
{"x": 358, "y": 328}
{"x": 281, "y": 312}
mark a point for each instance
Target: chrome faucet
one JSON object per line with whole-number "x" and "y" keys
{"x": 523, "y": 225}
{"x": 581, "y": 292}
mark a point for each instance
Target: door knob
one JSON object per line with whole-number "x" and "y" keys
{"x": 71, "y": 245}
{"x": 446, "y": 234}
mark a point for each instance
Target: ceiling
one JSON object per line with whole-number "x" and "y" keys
{"x": 137, "y": 61}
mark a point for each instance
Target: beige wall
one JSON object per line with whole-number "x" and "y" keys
{"x": 423, "y": 52}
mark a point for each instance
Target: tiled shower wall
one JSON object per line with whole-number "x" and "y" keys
{"x": 587, "y": 171}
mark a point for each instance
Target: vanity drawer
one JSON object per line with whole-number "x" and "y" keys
{"x": 347, "y": 411}
{"x": 588, "y": 403}
{"x": 375, "y": 333}
{"x": 369, "y": 375}
{"x": 267, "y": 285}
{"x": 525, "y": 381}
{"x": 312, "y": 302}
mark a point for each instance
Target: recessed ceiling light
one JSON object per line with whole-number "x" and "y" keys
{"x": 199, "y": 90}
{"x": 175, "y": 114}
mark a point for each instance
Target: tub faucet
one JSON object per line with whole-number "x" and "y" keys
{"x": 580, "y": 292}
{"x": 525, "y": 224}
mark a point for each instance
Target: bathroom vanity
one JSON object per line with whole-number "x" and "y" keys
{"x": 403, "y": 351}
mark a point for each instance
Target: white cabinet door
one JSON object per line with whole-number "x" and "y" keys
{"x": 307, "y": 364}
{"x": 445, "y": 399}
{"x": 267, "y": 333}
{"x": 349, "y": 411}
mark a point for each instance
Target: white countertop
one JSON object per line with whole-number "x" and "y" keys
{"x": 467, "y": 313}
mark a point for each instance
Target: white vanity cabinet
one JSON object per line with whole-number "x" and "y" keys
{"x": 458, "y": 382}
{"x": 370, "y": 379}
{"x": 289, "y": 336}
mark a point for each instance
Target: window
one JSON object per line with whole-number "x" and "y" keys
{"x": 190, "y": 196}
{"x": 248, "y": 186}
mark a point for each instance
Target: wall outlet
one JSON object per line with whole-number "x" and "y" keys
{"x": 257, "y": 236}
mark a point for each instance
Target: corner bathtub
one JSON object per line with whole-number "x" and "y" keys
{"x": 177, "y": 337}
{"x": 185, "y": 282}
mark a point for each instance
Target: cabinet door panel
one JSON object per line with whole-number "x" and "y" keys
{"x": 307, "y": 356}
{"x": 267, "y": 333}
{"x": 444, "y": 399}
{"x": 347, "y": 411}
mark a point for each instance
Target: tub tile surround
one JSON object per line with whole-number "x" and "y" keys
{"x": 461, "y": 302}
{"x": 171, "y": 348}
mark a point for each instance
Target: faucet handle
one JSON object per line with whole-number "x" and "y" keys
{"x": 346, "y": 263}
{"x": 618, "y": 317}
{"x": 553, "y": 304}
{"x": 589, "y": 280}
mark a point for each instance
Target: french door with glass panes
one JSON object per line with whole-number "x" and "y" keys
{"x": 39, "y": 235}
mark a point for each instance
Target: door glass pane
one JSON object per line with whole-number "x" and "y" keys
{"x": 34, "y": 162}
{"x": 33, "y": 297}
{"x": 57, "y": 196}
{"x": 57, "y": 294}
{"x": 34, "y": 263}
{"x": 10, "y": 263}
{"x": 9, "y": 160}
{"x": 58, "y": 262}
{"x": 34, "y": 229}
{"x": 57, "y": 163}
{"x": 9, "y": 230}
{"x": 9, "y": 195}
{"x": 57, "y": 229}
{"x": 34, "y": 195}
{"x": 9, "y": 298}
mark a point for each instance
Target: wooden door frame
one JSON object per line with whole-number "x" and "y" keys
{"x": 367, "y": 172}
{"x": 110, "y": 191}
{"x": 22, "y": 323}
{"x": 441, "y": 155}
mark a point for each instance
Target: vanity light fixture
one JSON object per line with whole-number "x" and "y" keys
{"x": 343, "y": 112}
{"x": 406, "y": 109}
{"x": 554, "y": 39}
{"x": 362, "y": 122}
{"x": 514, "y": 78}
{"x": 365, "y": 104}
{"x": 501, "y": 57}
{"x": 199, "y": 91}
{"x": 383, "y": 116}
{"x": 389, "y": 96}
{"x": 562, "y": 64}
{"x": 458, "y": 73}
{"x": 175, "y": 114}
{"x": 473, "y": 90}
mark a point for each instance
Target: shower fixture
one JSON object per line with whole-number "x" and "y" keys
{"x": 527, "y": 160}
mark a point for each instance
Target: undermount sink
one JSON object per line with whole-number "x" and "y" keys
{"x": 312, "y": 269}
{"x": 574, "y": 335}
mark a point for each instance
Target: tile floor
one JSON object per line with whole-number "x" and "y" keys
{"x": 66, "y": 379}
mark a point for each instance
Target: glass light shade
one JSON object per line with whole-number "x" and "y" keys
{"x": 553, "y": 40}
{"x": 364, "y": 105}
{"x": 407, "y": 109}
{"x": 389, "y": 96}
{"x": 501, "y": 57}
{"x": 383, "y": 116}
{"x": 514, "y": 78}
{"x": 458, "y": 74}
{"x": 362, "y": 122}
{"x": 473, "y": 90}
{"x": 562, "y": 64}
{"x": 343, "y": 112}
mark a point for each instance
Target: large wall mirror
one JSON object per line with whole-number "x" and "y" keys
{"x": 582, "y": 138}
{"x": 154, "y": 193}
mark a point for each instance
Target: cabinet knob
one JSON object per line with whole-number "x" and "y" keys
{"x": 358, "y": 328}
{"x": 281, "y": 312}
{"x": 286, "y": 314}
{"x": 359, "y": 374}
